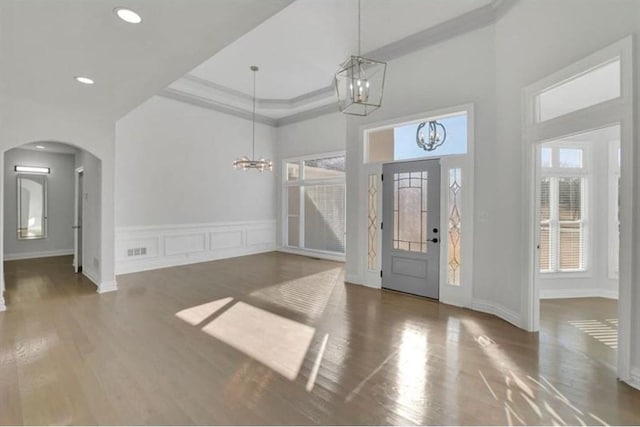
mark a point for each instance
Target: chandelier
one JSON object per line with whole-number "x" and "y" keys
{"x": 246, "y": 163}
{"x": 360, "y": 82}
{"x": 435, "y": 137}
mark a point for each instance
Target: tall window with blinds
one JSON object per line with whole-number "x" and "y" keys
{"x": 315, "y": 206}
{"x": 563, "y": 222}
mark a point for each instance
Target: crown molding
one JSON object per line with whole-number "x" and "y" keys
{"x": 465, "y": 23}
{"x": 211, "y": 104}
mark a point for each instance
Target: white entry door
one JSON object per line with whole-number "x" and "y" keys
{"x": 411, "y": 227}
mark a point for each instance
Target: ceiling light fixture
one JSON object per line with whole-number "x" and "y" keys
{"x": 31, "y": 169}
{"x": 360, "y": 82}
{"x": 246, "y": 163}
{"x": 128, "y": 15}
{"x": 40, "y": 147}
{"x": 437, "y": 135}
{"x": 84, "y": 80}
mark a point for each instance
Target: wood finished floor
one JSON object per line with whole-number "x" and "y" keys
{"x": 71, "y": 356}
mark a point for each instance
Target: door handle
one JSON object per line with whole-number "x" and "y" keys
{"x": 434, "y": 240}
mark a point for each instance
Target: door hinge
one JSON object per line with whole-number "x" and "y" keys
{"x": 382, "y": 226}
{"x": 382, "y": 177}
{"x": 380, "y": 273}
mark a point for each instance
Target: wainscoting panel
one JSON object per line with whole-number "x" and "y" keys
{"x": 149, "y": 248}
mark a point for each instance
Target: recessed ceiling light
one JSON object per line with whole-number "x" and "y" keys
{"x": 128, "y": 15}
{"x": 84, "y": 80}
{"x": 40, "y": 147}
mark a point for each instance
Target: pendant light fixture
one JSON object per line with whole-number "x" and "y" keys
{"x": 246, "y": 163}
{"x": 360, "y": 82}
{"x": 435, "y": 137}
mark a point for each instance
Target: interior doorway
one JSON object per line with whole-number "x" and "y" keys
{"x": 79, "y": 216}
{"x": 577, "y": 207}
{"x": 51, "y": 218}
{"x": 411, "y": 239}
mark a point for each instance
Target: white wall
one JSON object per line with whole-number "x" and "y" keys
{"x": 92, "y": 168}
{"x": 60, "y": 188}
{"x": 319, "y": 135}
{"x": 24, "y": 121}
{"x": 415, "y": 86}
{"x": 174, "y": 177}
{"x": 534, "y": 40}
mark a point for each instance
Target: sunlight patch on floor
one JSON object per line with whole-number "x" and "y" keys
{"x": 275, "y": 341}
{"x": 307, "y": 295}
{"x": 604, "y": 331}
{"x": 200, "y": 313}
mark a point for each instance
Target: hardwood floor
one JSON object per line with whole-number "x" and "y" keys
{"x": 278, "y": 339}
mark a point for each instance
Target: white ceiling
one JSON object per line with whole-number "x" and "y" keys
{"x": 50, "y": 147}
{"x": 46, "y": 43}
{"x": 299, "y": 48}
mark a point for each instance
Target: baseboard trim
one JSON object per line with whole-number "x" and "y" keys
{"x": 578, "y": 293}
{"x": 311, "y": 254}
{"x": 109, "y": 286}
{"x": 33, "y": 255}
{"x": 634, "y": 380}
{"x": 168, "y": 263}
{"x": 497, "y": 310}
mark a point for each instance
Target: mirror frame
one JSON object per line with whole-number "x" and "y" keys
{"x": 45, "y": 213}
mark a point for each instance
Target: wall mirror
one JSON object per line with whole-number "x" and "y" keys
{"x": 32, "y": 206}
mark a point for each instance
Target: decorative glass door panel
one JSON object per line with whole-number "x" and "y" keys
{"x": 410, "y": 246}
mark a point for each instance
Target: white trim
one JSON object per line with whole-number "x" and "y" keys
{"x": 42, "y": 254}
{"x": 454, "y": 295}
{"x": 621, "y": 111}
{"x": 301, "y": 184}
{"x": 497, "y": 310}
{"x": 311, "y": 253}
{"x": 105, "y": 287}
{"x": 578, "y": 293}
{"x": 634, "y": 378}
{"x": 89, "y": 276}
{"x": 173, "y": 245}
{"x": 3, "y": 307}
{"x": 76, "y": 184}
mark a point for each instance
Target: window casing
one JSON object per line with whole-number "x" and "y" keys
{"x": 315, "y": 203}
{"x": 563, "y": 209}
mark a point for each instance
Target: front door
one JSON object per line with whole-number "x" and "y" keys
{"x": 411, "y": 227}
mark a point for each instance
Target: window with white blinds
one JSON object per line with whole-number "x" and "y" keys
{"x": 563, "y": 226}
{"x": 315, "y": 205}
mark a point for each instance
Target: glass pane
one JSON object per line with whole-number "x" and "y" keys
{"x": 410, "y": 211}
{"x": 372, "y": 226}
{"x": 293, "y": 231}
{"x": 405, "y": 145}
{"x": 293, "y": 200}
{"x": 593, "y": 87}
{"x": 324, "y": 217}
{"x": 454, "y": 246}
{"x": 330, "y": 167}
{"x": 31, "y": 206}
{"x": 571, "y": 246}
{"x": 293, "y": 171}
{"x": 545, "y": 199}
{"x": 570, "y": 157}
{"x": 546, "y": 160}
{"x": 570, "y": 198}
{"x": 545, "y": 248}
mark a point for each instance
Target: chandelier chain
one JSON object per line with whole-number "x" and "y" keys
{"x": 359, "y": 29}
{"x": 253, "y": 152}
